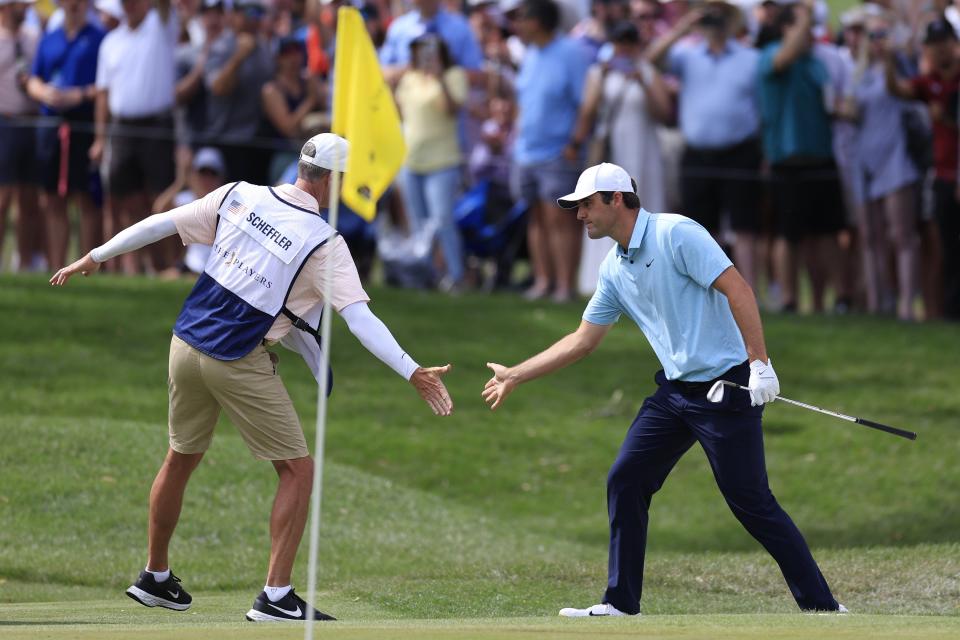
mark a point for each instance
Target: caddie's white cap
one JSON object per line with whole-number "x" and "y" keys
{"x": 331, "y": 152}
{"x": 601, "y": 177}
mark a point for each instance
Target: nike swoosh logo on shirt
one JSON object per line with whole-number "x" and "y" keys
{"x": 296, "y": 613}
{"x": 651, "y": 262}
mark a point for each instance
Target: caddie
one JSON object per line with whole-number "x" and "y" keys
{"x": 263, "y": 277}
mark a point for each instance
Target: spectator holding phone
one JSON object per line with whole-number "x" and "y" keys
{"x": 888, "y": 184}
{"x": 939, "y": 88}
{"x": 428, "y": 16}
{"x": 624, "y": 101}
{"x": 720, "y": 121}
{"x": 430, "y": 95}
{"x": 798, "y": 141}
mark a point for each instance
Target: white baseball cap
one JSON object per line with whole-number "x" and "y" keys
{"x": 111, "y": 7}
{"x": 506, "y": 6}
{"x": 331, "y": 152}
{"x": 601, "y": 177}
{"x": 209, "y": 158}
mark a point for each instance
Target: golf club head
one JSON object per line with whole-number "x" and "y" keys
{"x": 716, "y": 392}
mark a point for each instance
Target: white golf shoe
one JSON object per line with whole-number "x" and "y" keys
{"x": 596, "y": 611}
{"x": 842, "y": 609}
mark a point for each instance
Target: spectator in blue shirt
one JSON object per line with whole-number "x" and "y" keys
{"x": 546, "y": 159}
{"x": 62, "y": 81}
{"x": 798, "y": 143}
{"x": 428, "y": 17}
{"x": 720, "y": 121}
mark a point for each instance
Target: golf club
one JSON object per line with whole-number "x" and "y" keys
{"x": 716, "y": 395}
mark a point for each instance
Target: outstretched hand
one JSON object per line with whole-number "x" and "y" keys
{"x": 499, "y": 386}
{"x": 431, "y": 388}
{"x": 85, "y": 265}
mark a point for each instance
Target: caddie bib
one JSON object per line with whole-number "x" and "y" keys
{"x": 261, "y": 244}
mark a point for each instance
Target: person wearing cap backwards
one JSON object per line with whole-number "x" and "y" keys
{"x": 701, "y": 318}
{"x": 264, "y": 276}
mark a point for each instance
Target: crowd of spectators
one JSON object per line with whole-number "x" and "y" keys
{"x": 805, "y": 145}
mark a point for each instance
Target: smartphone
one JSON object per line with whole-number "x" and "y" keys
{"x": 427, "y": 53}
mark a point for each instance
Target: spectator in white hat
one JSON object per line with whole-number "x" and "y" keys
{"x": 110, "y": 13}
{"x": 197, "y": 175}
{"x": 263, "y": 283}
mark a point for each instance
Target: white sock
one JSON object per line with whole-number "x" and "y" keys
{"x": 276, "y": 593}
{"x": 159, "y": 576}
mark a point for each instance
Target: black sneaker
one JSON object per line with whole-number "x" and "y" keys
{"x": 150, "y": 593}
{"x": 289, "y": 608}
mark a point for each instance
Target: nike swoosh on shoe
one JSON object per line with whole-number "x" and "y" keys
{"x": 295, "y": 613}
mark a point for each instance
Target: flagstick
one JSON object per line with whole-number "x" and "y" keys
{"x": 321, "y": 414}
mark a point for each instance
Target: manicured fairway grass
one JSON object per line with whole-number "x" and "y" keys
{"x": 482, "y": 525}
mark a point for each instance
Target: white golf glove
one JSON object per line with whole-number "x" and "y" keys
{"x": 764, "y": 385}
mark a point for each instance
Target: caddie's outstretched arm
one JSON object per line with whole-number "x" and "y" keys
{"x": 139, "y": 235}
{"x": 563, "y": 352}
{"x": 374, "y": 335}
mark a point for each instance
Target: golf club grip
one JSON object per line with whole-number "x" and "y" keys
{"x": 909, "y": 435}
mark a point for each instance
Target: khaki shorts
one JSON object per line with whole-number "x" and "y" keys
{"x": 248, "y": 389}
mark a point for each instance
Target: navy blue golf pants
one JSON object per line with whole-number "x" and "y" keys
{"x": 668, "y": 424}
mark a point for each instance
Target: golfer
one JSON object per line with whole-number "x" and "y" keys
{"x": 699, "y": 315}
{"x": 270, "y": 251}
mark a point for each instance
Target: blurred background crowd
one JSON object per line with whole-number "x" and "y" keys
{"x": 821, "y": 151}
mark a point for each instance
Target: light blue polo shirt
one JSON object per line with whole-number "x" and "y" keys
{"x": 663, "y": 282}
{"x": 718, "y": 93}
{"x": 549, "y": 92}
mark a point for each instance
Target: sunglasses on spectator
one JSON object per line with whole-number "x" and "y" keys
{"x": 878, "y": 35}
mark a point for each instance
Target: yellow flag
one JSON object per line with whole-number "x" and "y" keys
{"x": 364, "y": 113}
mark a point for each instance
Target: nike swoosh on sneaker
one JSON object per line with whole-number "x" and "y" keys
{"x": 296, "y": 613}
{"x": 175, "y": 595}
{"x": 597, "y": 615}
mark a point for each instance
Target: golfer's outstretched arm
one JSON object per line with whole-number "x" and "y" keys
{"x": 565, "y": 351}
